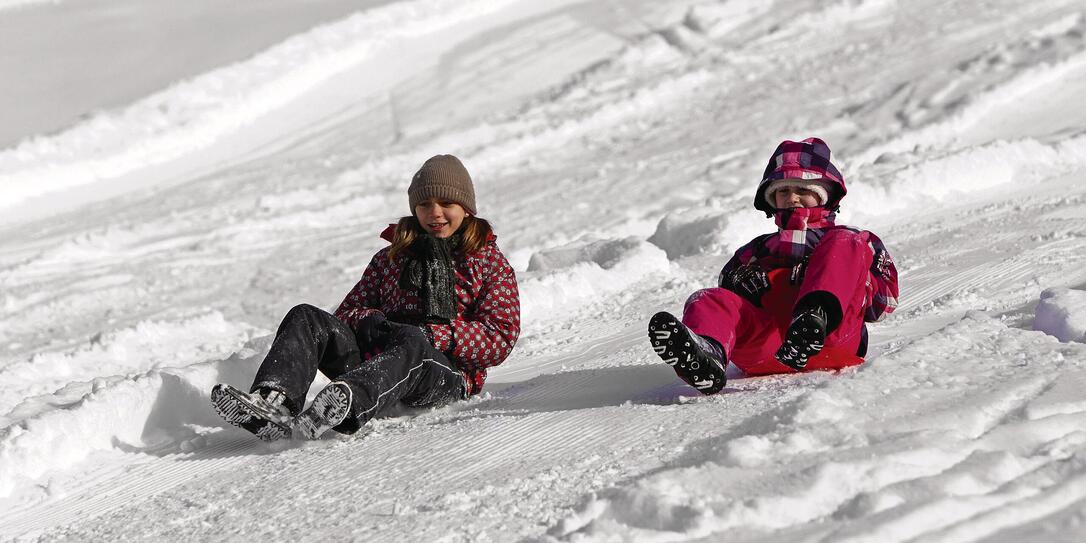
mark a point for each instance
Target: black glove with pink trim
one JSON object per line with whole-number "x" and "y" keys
{"x": 749, "y": 281}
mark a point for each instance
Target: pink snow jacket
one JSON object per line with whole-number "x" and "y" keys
{"x": 487, "y": 321}
{"x": 800, "y": 230}
{"x": 881, "y": 277}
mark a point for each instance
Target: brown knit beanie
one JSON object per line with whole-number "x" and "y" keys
{"x": 445, "y": 178}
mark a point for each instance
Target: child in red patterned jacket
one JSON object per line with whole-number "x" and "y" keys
{"x": 430, "y": 314}
{"x": 788, "y": 301}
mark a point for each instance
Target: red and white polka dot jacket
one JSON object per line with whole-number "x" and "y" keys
{"x": 487, "y": 320}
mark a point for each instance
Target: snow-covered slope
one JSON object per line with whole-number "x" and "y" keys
{"x": 616, "y": 146}
{"x": 103, "y": 54}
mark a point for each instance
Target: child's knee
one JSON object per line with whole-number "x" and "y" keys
{"x": 715, "y": 296}
{"x": 845, "y": 242}
{"x": 304, "y": 311}
{"x": 696, "y": 297}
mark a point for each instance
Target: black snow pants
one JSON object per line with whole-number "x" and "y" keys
{"x": 408, "y": 368}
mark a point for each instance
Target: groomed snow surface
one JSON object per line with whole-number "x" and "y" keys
{"x": 616, "y": 147}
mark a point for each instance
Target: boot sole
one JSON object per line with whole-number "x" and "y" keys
{"x": 801, "y": 342}
{"x": 329, "y": 408}
{"x": 234, "y": 407}
{"x": 673, "y": 344}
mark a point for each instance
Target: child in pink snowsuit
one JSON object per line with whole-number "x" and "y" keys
{"x": 788, "y": 301}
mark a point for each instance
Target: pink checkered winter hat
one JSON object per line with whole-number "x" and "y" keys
{"x": 805, "y": 164}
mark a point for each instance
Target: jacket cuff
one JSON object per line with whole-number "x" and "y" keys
{"x": 442, "y": 335}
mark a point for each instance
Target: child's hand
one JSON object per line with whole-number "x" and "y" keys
{"x": 749, "y": 281}
{"x": 881, "y": 263}
{"x": 373, "y": 330}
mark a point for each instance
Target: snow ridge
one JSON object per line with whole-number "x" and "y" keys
{"x": 145, "y": 346}
{"x": 193, "y": 114}
{"x": 16, "y": 4}
{"x": 971, "y": 170}
{"x": 149, "y": 382}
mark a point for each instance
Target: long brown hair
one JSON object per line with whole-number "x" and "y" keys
{"x": 475, "y": 233}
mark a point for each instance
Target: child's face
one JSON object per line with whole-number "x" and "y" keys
{"x": 441, "y": 218}
{"x": 790, "y": 197}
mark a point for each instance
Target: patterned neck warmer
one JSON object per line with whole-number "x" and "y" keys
{"x": 428, "y": 270}
{"x": 800, "y": 229}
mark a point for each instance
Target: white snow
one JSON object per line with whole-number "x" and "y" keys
{"x": 148, "y": 251}
{"x": 9, "y": 4}
{"x": 1062, "y": 313}
{"x": 560, "y": 280}
{"x": 93, "y": 66}
{"x": 192, "y": 114}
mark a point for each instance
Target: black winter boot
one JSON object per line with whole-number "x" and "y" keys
{"x": 329, "y": 408}
{"x": 804, "y": 339}
{"x": 261, "y": 412}
{"x": 696, "y": 360}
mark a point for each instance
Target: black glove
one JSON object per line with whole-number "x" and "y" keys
{"x": 373, "y": 331}
{"x": 749, "y": 281}
{"x": 881, "y": 263}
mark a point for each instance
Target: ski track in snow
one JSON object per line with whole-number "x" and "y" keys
{"x": 639, "y": 161}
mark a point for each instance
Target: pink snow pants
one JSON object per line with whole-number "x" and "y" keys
{"x": 751, "y": 335}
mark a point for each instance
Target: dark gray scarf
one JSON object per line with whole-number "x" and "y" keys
{"x": 428, "y": 269}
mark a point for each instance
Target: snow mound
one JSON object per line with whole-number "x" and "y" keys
{"x": 718, "y": 19}
{"x": 607, "y": 253}
{"x": 972, "y": 170}
{"x": 1062, "y": 313}
{"x": 567, "y": 277}
{"x": 193, "y": 114}
{"x": 147, "y": 345}
{"x": 154, "y": 412}
{"x": 709, "y": 229}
